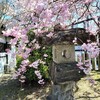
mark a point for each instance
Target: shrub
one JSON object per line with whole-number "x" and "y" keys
{"x": 44, "y": 54}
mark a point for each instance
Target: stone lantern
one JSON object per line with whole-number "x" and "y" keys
{"x": 64, "y": 71}
{"x": 64, "y": 66}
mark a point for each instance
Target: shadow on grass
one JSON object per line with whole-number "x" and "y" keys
{"x": 11, "y": 90}
{"x": 97, "y": 80}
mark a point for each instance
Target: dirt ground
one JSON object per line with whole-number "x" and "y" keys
{"x": 11, "y": 89}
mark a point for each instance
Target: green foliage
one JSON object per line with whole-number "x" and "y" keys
{"x": 37, "y": 54}
{"x": 30, "y": 75}
{"x": 44, "y": 71}
{"x": 19, "y": 60}
{"x": 43, "y": 68}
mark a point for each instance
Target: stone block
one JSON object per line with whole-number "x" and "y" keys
{"x": 63, "y": 53}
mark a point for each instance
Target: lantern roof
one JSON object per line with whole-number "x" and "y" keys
{"x": 68, "y": 35}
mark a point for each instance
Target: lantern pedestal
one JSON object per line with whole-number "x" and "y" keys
{"x": 62, "y": 91}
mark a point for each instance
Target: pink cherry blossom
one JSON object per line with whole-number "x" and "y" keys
{"x": 87, "y": 71}
{"x": 25, "y": 56}
{"x": 38, "y": 74}
{"x": 22, "y": 77}
{"x": 41, "y": 81}
{"x": 25, "y": 62}
{"x": 37, "y": 46}
{"x": 84, "y": 46}
{"x": 42, "y": 62}
{"x": 24, "y": 69}
{"x": 75, "y": 40}
{"x": 13, "y": 41}
{"x": 88, "y": 1}
{"x": 79, "y": 64}
{"x": 22, "y": 81}
{"x": 50, "y": 35}
{"x": 45, "y": 55}
{"x": 7, "y": 33}
{"x": 35, "y": 64}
